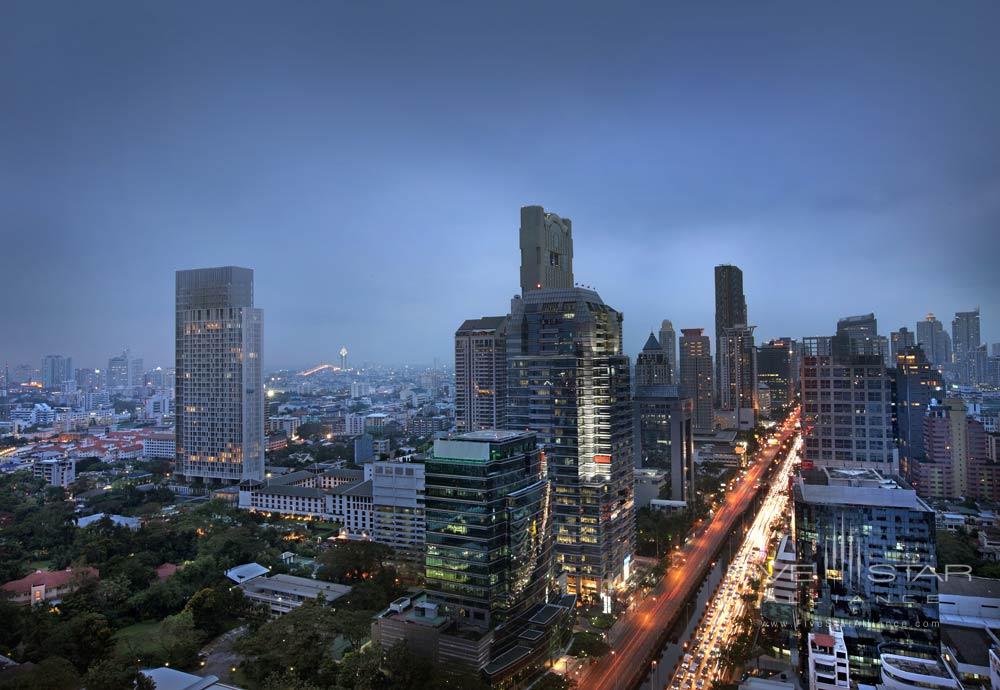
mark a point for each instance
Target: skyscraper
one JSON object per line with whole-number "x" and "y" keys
{"x": 730, "y": 310}
{"x": 668, "y": 341}
{"x": 862, "y": 333}
{"x": 662, "y": 425}
{"x": 651, "y": 366}
{"x": 56, "y": 370}
{"x": 917, "y": 382}
{"x": 934, "y": 341}
{"x": 136, "y": 373}
{"x": 739, "y": 375}
{"x": 901, "y": 340}
{"x": 219, "y": 398}
{"x": 777, "y": 369}
{"x": 956, "y": 459}
{"x": 696, "y": 376}
{"x": 568, "y": 379}
{"x": 546, "y": 250}
{"x": 481, "y": 374}
{"x": 965, "y": 342}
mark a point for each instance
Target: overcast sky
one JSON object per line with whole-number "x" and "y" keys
{"x": 368, "y": 161}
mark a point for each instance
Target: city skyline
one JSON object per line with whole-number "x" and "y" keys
{"x": 357, "y": 178}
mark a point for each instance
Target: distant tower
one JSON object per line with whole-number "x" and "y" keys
{"x": 343, "y": 358}
{"x": 730, "y": 310}
{"x": 546, "y": 250}
{"x": 696, "y": 375}
{"x": 481, "y": 374}
{"x": 668, "y": 341}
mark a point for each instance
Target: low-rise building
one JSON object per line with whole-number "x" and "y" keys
{"x": 282, "y": 593}
{"x": 828, "y": 666}
{"x": 48, "y": 586}
{"x": 56, "y": 471}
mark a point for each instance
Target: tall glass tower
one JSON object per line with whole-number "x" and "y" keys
{"x": 488, "y": 533}
{"x": 219, "y": 397}
{"x": 568, "y": 380}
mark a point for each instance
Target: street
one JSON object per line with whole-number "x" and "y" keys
{"x": 626, "y": 664}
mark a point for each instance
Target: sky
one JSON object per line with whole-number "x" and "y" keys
{"x": 368, "y": 161}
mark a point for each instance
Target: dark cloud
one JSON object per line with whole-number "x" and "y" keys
{"x": 368, "y": 160}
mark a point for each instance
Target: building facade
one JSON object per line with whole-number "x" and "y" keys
{"x": 777, "y": 368}
{"x": 866, "y": 538}
{"x": 668, "y": 341}
{"x": 966, "y": 340}
{"x": 915, "y": 383}
{"x": 696, "y": 376}
{"x": 219, "y": 398}
{"x": 847, "y": 412}
{"x": 546, "y": 250}
{"x": 934, "y": 340}
{"x": 730, "y": 311}
{"x": 739, "y": 375}
{"x": 569, "y": 382}
{"x": 481, "y": 374}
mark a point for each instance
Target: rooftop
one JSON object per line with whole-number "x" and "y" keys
{"x": 489, "y": 435}
{"x": 969, "y": 586}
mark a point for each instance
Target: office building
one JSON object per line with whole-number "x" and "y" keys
{"x": 652, "y": 368}
{"x": 916, "y": 384}
{"x": 934, "y": 340}
{"x": 778, "y": 370}
{"x": 730, "y": 311}
{"x": 488, "y": 527}
{"x": 136, "y": 373}
{"x": 861, "y": 332}
{"x": 846, "y": 409}
{"x": 662, "y": 425}
{"x": 668, "y": 341}
{"x": 219, "y": 398}
{"x": 546, "y": 250}
{"x": 738, "y": 369}
{"x": 855, "y": 528}
{"x": 965, "y": 342}
{"x": 901, "y": 340}
{"x": 568, "y": 380}
{"x": 481, "y": 374}
{"x": 56, "y": 370}
{"x": 696, "y": 376}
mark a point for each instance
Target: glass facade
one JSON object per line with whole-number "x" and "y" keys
{"x": 488, "y": 532}
{"x": 568, "y": 380}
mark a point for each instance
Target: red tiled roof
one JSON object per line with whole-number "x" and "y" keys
{"x": 49, "y": 578}
{"x": 166, "y": 570}
{"x": 823, "y": 640}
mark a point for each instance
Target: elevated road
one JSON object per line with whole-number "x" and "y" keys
{"x": 644, "y": 627}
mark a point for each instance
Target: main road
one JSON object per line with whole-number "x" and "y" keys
{"x": 640, "y": 638}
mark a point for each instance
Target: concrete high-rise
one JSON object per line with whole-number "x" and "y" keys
{"x": 917, "y": 382}
{"x": 668, "y": 341}
{"x": 219, "y": 398}
{"x": 956, "y": 460}
{"x": 901, "y": 340}
{"x": 568, "y": 380}
{"x": 730, "y": 311}
{"x": 117, "y": 373}
{"x": 56, "y": 370}
{"x": 934, "y": 341}
{"x": 696, "y": 376}
{"x": 481, "y": 374}
{"x": 965, "y": 342}
{"x": 546, "y": 250}
{"x": 846, "y": 408}
{"x": 738, "y": 370}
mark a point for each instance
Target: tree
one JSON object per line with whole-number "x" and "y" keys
{"x": 353, "y": 560}
{"x": 181, "y": 639}
{"x": 83, "y": 639}
{"x": 113, "y": 674}
{"x": 53, "y": 673}
{"x": 212, "y": 609}
{"x": 587, "y": 644}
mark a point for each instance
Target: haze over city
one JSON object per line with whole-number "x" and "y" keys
{"x": 368, "y": 162}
